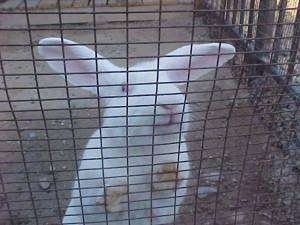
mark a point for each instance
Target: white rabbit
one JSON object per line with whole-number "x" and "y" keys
{"x": 126, "y": 164}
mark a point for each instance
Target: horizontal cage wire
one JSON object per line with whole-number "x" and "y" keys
{"x": 149, "y": 112}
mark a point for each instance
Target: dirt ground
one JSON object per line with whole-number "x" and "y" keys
{"x": 231, "y": 144}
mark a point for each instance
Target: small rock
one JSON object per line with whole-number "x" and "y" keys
{"x": 205, "y": 191}
{"x": 234, "y": 180}
{"x": 44, "y": 183}
{"x": 51, "y": 168}
{"x": 244, "y": 200}
{"x": 296, "y": 79}
{"x": 32, "y": 135}
{"x": 266, "y": 215}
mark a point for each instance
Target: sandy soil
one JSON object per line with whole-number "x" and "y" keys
{"x": 231, "y": 144}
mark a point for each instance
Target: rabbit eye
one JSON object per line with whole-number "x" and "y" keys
{"x": 125, "y": 88}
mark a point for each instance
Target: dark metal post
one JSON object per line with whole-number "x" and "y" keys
{"x": 279, "y": 29}
{"x": 295, "y": 44}
{"x": 265, "y": 24}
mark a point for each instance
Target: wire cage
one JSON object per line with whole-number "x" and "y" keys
{"x": 149, "y": 112}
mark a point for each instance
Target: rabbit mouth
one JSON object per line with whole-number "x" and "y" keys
{"x": 168, "y": 118}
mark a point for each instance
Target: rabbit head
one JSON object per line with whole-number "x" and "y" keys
{"x": 146, "y": 92}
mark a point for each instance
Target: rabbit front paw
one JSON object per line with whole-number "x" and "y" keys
{"x": 165, "y": 177}
{"x": 114, "y": 197}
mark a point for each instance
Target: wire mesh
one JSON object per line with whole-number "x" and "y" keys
{"x": 105, "y": 129}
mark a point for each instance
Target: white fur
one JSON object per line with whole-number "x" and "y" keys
{"x": 138, "y": 146}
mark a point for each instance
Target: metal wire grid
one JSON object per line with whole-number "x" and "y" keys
{"x": 45, "y": 4}
{"x": 251, "y": 126}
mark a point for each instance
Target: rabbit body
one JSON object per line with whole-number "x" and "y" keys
{"x": 136, "y": 166}
{"x": 138, "y": 191}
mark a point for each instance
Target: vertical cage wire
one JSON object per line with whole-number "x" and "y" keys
{"x": 98, "y": 102}
{"x": 155, "y": 103}
{"x": 127, "y": 113}
{"x": 61, "y": 35}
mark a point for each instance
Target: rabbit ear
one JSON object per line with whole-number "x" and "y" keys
{"x": 209, "y": 55}
{"x": 51, "y": 50}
